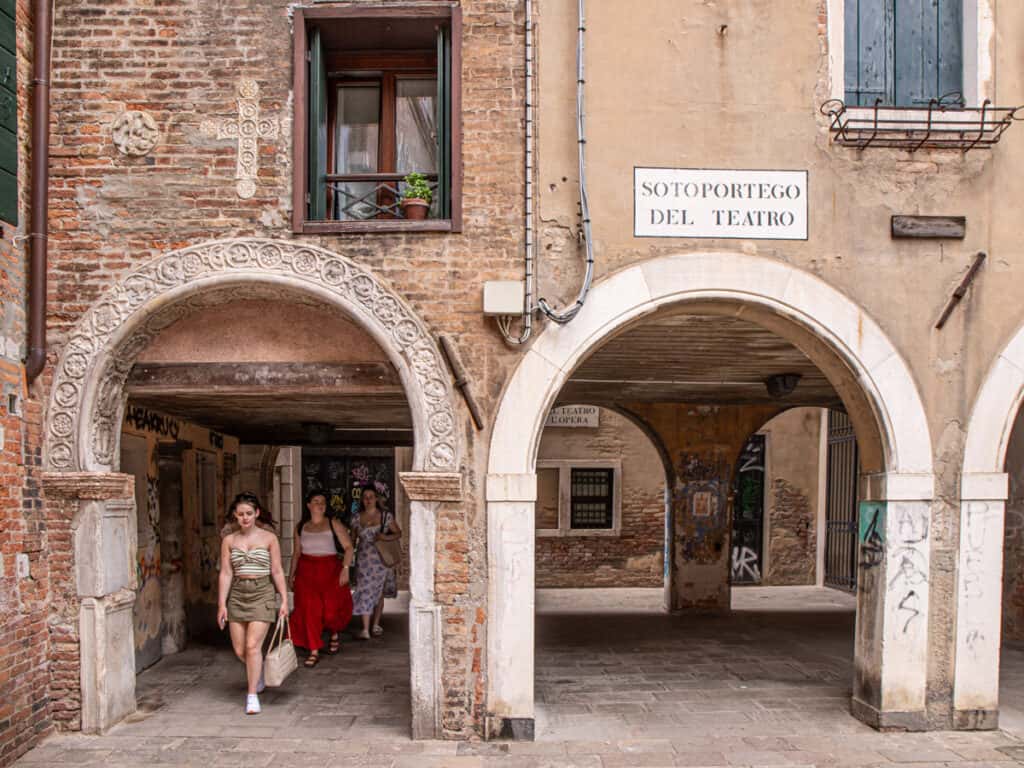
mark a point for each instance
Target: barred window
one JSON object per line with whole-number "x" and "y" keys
{"x": 577, "y": 497}
{"x": 591, "y": 502}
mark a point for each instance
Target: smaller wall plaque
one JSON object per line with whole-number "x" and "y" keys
{"x": 953, "y": 227}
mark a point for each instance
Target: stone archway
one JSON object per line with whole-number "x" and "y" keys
{"x": 86, "y": 407}
{"x": 889, "y": 689}
{"x": 984, "y": 489}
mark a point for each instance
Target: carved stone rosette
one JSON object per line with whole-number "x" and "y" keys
{"x": 134, "y": 133}
{"x": 87, "y": 400}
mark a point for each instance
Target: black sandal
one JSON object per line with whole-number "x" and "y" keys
{"x": 334, "y": 645}
{"x": 311, "y": 661}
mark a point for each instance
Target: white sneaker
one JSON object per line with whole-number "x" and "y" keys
{"x": 252, "y": 704}
{"x": 377, "y": 630}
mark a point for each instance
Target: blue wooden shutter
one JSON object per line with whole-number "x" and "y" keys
{"x": 8, "y": 114}
{"x": 868, "y": 48}
{"x": 444, "y": 122}
{"x": 929, "y": 50}
{"x": 905, "y": 52}
{"x": 317, "y": 141}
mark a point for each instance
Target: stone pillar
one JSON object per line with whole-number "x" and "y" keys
{"x": 704, "y": 443}
{"x": 425, "y": 490}
{"x": 104, "y": 532}
{"x": 510, "y": 585}
{"x": 979, "y": 600}
{"x": 891, "y": 638}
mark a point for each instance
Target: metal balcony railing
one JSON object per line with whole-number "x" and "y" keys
{"x": 369, "y": 196}
{"x": 943, "y": 124}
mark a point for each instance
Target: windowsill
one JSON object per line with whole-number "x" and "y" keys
{"x": 380, "y": 226}
{"x": 557, "y": 533}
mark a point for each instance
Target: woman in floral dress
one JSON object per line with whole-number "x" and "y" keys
{"x": 374, "y": 580}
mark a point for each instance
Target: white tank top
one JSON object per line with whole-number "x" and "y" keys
{"x": 317, "y": 543}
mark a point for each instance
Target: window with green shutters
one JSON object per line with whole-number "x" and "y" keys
{"x": 903, "y": 53}
{"x": 381, "y": 100}
{"x": 8, "y": 114}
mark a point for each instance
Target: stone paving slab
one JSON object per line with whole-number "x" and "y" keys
{"x": 764, "y": 687}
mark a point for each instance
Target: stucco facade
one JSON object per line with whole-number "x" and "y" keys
{"x": 185, "y": 254}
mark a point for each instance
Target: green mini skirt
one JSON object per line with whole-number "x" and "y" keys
{"x": 252, "y": 600}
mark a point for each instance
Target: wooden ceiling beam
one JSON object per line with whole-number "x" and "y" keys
{"x": 258, "y": 378}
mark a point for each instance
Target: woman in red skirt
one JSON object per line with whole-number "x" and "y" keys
{"x": 319, "y": 577}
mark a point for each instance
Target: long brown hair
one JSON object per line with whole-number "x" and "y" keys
{"x": 247, "y": 497}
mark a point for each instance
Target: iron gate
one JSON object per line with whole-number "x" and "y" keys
{"x": 841, "y": 509}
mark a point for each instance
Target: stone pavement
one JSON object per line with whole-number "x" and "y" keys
{"x": 626, "y": 686}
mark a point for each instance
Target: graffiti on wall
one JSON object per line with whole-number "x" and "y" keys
{"x": 748, "y": 513}
{"x": 700, "y": 500}
{"x": 981, "y": 526}
{"x": 745, "y": 565}
{"x": 146, "y": 420}
{"x": 147, "y": 612}
{"x": 901, "y": 543}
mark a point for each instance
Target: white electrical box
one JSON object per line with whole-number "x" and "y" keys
{"x": 503, "y": 297}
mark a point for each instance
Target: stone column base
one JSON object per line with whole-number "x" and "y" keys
{"x": 108, "y": 654}
{"x": 975, "y": 719}
{"x": 510, "y": 728}
{"x": 888, "y": 721}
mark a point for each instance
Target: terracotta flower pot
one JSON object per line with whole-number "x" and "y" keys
{"x": 415, "y": 208}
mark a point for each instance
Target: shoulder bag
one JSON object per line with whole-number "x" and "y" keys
{"x": 390, "y": 551}
{"x": 280, "y": 660}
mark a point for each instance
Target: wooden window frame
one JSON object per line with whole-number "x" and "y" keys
{"x": 450, "y": 14}
{"x": 565, "y": 467}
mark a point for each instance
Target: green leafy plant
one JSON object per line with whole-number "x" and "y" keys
{"x": 416, "y": 186}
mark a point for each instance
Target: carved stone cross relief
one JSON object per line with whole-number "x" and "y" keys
{"x": 247, "y": 129}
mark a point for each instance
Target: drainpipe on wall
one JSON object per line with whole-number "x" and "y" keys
{"x": 39, "y": 183}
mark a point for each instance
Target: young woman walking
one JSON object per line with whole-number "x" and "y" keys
{"x": 319, "y": 576}
{"x": 250, "y": 570}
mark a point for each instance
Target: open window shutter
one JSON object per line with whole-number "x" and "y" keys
{"x": 317, "y": 149}
{"x": 8, "y": 115}
{"x": 928, "y": 50}
{"x": 444, "y": 122}
{"x": 867, "y": 44}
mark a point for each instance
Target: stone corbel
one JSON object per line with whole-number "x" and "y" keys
{"x": 432, "y": 486}
{"x": 94, "y": 486}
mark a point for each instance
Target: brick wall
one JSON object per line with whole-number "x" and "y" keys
{"x": 791, "y": 496}
{"x": 182, "y": 62}
{"x": 635, "y": 558}
{"x": 25, "y": 704}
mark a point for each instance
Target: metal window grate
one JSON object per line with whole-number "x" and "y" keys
{"x": 591, "y": 498}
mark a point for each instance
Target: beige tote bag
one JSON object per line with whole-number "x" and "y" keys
{"x": 280, "y": 660}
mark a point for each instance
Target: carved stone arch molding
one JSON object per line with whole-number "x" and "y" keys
{"x": 86, "y": 408}
{"x": 87, "y": 402}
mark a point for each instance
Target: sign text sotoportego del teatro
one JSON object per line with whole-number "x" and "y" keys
{"x": 699, "y": 202}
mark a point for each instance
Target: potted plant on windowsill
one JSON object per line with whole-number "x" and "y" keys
{"x": 416, "y": 197}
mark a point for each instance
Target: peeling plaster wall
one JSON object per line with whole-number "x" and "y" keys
{"x": 791, "y": 504}
{"x": 634, "y": 558}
